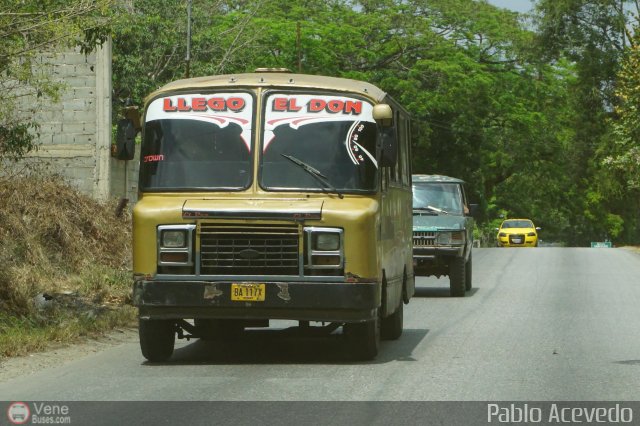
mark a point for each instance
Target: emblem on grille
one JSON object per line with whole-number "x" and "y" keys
{"x": 249, "y": 254}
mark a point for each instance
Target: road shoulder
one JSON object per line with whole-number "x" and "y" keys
{"x": 25, "y": 365}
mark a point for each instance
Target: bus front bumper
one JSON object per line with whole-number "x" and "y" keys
{"x": 302, "y": 301}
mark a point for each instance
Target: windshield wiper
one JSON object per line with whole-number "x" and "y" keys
{"x": 431, "y": 209}
{"x": 315, "y": 173}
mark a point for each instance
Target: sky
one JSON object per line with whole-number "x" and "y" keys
{"x": 516, "y": 5}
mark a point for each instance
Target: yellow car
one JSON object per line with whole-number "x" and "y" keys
{"x": 517, "y": 233}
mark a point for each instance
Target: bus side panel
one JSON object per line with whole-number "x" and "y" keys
{"x": 395, "y": 243}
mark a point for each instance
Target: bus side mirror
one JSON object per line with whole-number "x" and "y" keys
{"x": 383, "y": 115}
{"x": 388, "y": 147}
{"x": 125, "y": 148}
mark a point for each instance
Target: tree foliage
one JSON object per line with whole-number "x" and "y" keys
{"x": 625, "y": 153}
{"x": 594, "y": 36}
{"x": 524, "y": 108}
{"x": 28, "y": 29}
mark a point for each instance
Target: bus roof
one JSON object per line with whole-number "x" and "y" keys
{"x": 274, "y": 79}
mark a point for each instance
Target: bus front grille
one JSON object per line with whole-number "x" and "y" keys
{"x": 249, "y": 249}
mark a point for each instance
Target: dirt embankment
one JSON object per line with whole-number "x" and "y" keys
{"x": 65, "y": 264}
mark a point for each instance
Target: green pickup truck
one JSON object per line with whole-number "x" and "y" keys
{"x": 442, "y": 230}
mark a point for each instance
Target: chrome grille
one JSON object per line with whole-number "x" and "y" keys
{"x": 249, "y": 249}
{"x": 424, "y": 238}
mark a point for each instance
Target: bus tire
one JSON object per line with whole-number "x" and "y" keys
{"x": 391, "y": 328}
{"x": 157, "y": 338}
{"x": 457, "y": 275}
{"x": 363, "y": 338}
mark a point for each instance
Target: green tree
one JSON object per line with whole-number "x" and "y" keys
{"x": 591, "y": 34}
{"x": 624, "y": 155}
{"x": 620, "y": 165}
{"x": 519, "y": 111}
{"x": 28, "y": 29}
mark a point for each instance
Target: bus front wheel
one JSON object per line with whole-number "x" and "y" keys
{"x": 157, "y": 338}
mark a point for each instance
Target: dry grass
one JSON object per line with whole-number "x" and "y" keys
{"x": 64, "y": 264}
{"x": 635, "y": 249}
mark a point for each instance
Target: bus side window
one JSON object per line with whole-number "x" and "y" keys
{"x": 397, "y": 178}
{"x": 393, "y": 170}
{"x": 404, "y": 146}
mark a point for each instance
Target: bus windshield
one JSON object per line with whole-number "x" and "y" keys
{"x": 198, "y": 141}
{"x": 318, "y": 143}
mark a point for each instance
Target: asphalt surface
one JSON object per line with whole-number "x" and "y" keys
{"x": 545, "y": 324}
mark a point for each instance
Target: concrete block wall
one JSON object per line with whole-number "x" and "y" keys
{"x": 76, "y": 131}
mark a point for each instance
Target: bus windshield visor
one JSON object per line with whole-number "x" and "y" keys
{"x": 319, "y": 143}
{"x": 198, "y": 141}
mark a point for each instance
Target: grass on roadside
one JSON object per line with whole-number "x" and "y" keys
{"x": 21, "y": 336}
{"x": 65, "y": 265}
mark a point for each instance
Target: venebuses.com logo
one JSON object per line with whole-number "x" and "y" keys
{"x": 18, "y": 413}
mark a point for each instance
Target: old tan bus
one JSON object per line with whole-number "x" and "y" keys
{"x": 272, "y": 195}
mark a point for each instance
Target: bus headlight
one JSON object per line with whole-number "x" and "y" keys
{"x": 326, "y": 241}
{"x": 324, "y": 248}
{"x": 174, "y": 238}
{"x": 175, "y": 245}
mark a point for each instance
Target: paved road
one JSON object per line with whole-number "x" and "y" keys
{"x": 540, "y": 324}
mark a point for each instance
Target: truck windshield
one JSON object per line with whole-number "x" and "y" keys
{"x": 335, "y": 136}
{"x": 198, "y": 141}
{"x": 437, "y": 197}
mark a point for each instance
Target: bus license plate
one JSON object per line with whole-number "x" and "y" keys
{"x": 247, "y": 292}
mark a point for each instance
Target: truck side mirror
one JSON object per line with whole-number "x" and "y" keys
{"x": 473, "y": 210}
{"x": 125, "y": 139}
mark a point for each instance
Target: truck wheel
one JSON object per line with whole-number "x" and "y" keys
{"x": 157, "y": 338}
{"x": 363, "y": 338}
{"x": 457, "y": 275}
{"x": 468, "y": 272}
{"x": 391, "y": 328}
